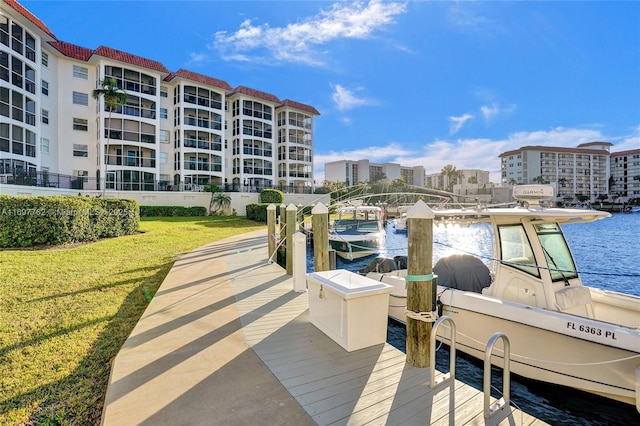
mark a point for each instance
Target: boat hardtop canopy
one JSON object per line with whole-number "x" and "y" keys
{"x": 560, "y": 215}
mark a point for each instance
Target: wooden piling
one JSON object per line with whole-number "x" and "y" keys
{"x": 271, "y": 230}
{"x": 283, "y": 221}
{"x": 291, "y": 213}
{"x": 320, "y": 229}
{"x": 421, "y": 285}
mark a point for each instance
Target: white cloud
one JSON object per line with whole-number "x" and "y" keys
{"x": 345, "y": 99}
{"x": 296, "y": 42}
{"x": 456, "y": 123}
{"x": 489, "y": 112}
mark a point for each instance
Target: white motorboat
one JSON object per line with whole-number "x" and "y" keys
{"x": 358, "y": 231}
{"x": 560, "y": 330}
{"x": 401, "y": 222}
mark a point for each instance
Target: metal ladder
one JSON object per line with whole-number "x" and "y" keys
{"x": 491, "y": 411}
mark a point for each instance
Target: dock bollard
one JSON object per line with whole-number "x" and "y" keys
{"x": 299, "y": 262}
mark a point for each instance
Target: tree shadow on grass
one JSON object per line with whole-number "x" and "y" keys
{"x": 77, "y": 399}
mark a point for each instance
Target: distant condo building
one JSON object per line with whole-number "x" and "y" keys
{"x": 356, "y": 172}
{"x": 177, "y": 130}
{"x": 625, "y": 174}
{"x": 589, "y": 170}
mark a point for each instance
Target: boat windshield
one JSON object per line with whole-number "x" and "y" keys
{"x": 556, "y": 251}
{"x": 515, "y": 249}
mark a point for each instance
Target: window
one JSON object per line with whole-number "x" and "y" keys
{"x": 4, "y": 102}
{"x": 515, "y": 249}
{"x": 16, "y": 38}
{"x": 45, "y": 59}
{"x": 44, "y": 145}
{"x": 44, "y": 116}
{"x": 30, "y": 47}
{"x": 30, "y": 139}
{"x": 45, "y": 88}
{"x": 81, "y": 72}
{"x": 80, "y": 98}
{"x": 4, "y": 136}
{"x": 164, "y": 113}
{"x": 556, "y": 252}
{"x": 4, "y": 30}
{"x": 164, "y": 157}
{"x": 80, "y": 150}
{"x": 164, "y": 136}
{"x": 30, "y": 79}
{"x": 163, "y": 92}
{"x": 4, "y": 66}
{"x": 81, "y": 124}
{"x": 30, "y": 112}
{"x": 82, "y": 175}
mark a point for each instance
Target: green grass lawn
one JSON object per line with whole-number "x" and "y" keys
{"x": 65, "y": 312}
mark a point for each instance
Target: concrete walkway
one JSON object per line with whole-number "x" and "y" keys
{"x": 187, "y": 362}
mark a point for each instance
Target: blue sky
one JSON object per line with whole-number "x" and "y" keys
{"x": 416, "y": 83}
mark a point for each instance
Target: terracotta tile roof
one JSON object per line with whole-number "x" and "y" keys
{"x": 255, "y": 93}
{"x": 556, "y": 149}
{"x": 594, "y": 143}
{"x": 300, "y": 106}
{"x": 128, "y": 58}
{"x": 71, "y": 50}
{"x": 199, "y": 78}
{"x": 30, "y": 16}
{"x": 628, "y": 152}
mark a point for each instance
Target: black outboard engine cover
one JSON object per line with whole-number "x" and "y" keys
{"x": 462, "y": 272}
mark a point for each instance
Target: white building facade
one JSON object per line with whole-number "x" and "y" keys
{"x": 581, "y": 171}
{"x": 177, "y": 131}
{"x": 360, "y": 171}
{"x": 625, "y": 174}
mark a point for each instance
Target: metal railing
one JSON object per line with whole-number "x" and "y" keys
{"x": 18, "y": 176}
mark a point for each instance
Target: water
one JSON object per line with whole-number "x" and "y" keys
{"x": 607, "y": 254}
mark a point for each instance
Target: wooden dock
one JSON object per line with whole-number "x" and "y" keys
{"x": 372, "y": 386}
{"x": 226, "y": 340}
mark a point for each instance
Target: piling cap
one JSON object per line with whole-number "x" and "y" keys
{"x": 319, "y": 209}
{"x": 420, "y": 210}
{"x": 271, "y": 207}
{"x": 292, "y": 206}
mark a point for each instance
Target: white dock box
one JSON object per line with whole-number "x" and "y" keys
{"x": 350, "y": 308}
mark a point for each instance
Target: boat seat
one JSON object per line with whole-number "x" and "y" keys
{"x": 570, "y": 298}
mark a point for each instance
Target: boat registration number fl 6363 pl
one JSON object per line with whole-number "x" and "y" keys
{"x": 608, "y": 334}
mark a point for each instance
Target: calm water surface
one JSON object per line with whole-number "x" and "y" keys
{"x": 607, "y": 254}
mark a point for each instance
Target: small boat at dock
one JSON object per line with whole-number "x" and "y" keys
{"x": 560, "y": 331}
{"x": 358, "y": 231}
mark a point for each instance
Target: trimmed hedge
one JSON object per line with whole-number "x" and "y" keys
{"x": 33, "y": 221}
{"x": 258, "y": 212}
{"x": 269, "y": 195}
{"x": 172, "y": 211}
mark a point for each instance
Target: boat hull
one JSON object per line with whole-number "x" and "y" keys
{"x": 356, "y": 249}
{"x": 571, "y": 358}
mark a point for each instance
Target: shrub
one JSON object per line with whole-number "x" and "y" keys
{"x": 271, "y": 196}
{"x": 32, "y": 221}
{"x": 172, "y": 211}
{"x": 257, "y": 212}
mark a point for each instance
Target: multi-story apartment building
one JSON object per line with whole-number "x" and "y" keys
{"x": 584, "y": 170}
{"x": 355, "y": 172}
{"x": 625, "y": 174}
{"x": 176, "y": 130}
{"x": 475, "y": 178}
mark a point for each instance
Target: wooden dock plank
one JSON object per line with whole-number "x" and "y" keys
{"x": 372, "y": 386}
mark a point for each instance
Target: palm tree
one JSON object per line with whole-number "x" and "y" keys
{"x": 220, "y": 202}
{"x": 113, "y": 97}
{"x": 453, "y": 175}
